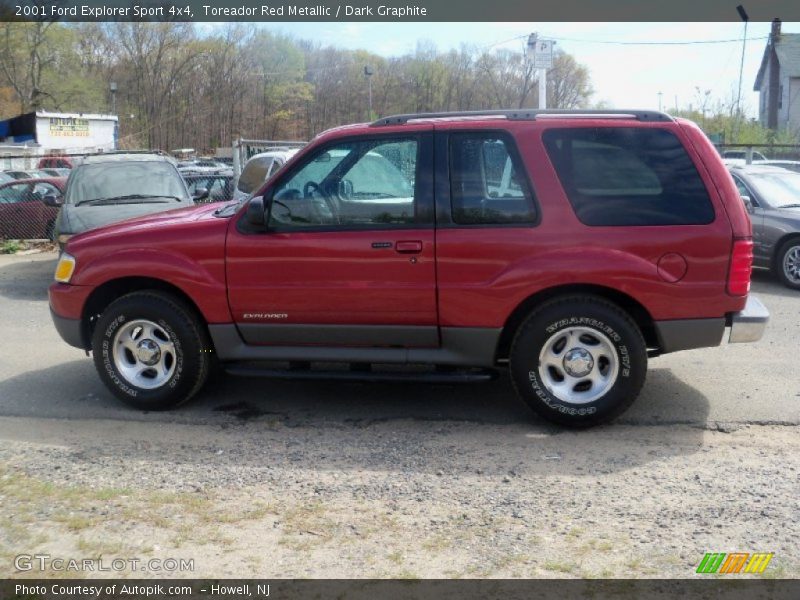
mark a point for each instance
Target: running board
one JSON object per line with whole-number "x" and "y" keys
{"x": 476, "y": 376}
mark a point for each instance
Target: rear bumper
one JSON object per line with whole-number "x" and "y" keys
{"x": 748, "y": 325}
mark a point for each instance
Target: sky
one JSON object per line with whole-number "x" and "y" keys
{"x": 625, "y": 76}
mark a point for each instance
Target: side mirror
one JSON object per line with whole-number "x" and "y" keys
{"x": 200, "y": 194}
{"x": 748, "y": 203}
{"x": 256, "y": 212}
{"x": 53, "y": 201}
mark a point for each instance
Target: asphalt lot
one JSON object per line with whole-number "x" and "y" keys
{"x": 40, "y": 376}
{"x": 257, "y": 478}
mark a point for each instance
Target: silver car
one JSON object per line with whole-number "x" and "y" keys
{"x": 112, "y": 187}
{"x": 772, "y": 197}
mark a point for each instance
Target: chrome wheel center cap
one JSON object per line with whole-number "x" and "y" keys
{"x": 578, "y": 362}
{"x": 148, "y": 352}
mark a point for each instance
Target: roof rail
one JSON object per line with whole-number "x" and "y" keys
{"x": 527, "y": 115}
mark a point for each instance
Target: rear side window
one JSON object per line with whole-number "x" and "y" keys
{"x": 487, "y": 184}
{"x": 628, "y": 176}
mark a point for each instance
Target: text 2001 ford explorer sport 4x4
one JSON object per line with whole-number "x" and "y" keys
{"x": 569, "y": 247}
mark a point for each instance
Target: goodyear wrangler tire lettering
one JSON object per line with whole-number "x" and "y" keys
{"x": 578, "y": 360}
{"x": 150, "y": 350}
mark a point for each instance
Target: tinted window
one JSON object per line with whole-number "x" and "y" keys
{"x": 356, "y": 184}
{"x": 628, "y": 176}
{"x": 487, "y": 186}
{"x": 254, "y": 174}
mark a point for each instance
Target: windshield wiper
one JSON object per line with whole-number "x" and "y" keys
{"x": 790, "y": 206}
{"x": 126, "y": 197}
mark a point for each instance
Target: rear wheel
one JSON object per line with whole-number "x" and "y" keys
{"x": 151, "y": 350}
{"x": 578, "y": 361}
{"x": 788, "y": 263}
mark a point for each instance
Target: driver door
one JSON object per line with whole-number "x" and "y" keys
{"x": 347, "y": 257}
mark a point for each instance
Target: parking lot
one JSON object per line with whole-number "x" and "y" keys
{"x": 398, "y": 480}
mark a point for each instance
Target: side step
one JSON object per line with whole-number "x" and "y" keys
{"x": 471, "y": 376}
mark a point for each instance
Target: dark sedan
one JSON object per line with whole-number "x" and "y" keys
{"x": 28, "y": 208}
{"x": 772, "y": 197}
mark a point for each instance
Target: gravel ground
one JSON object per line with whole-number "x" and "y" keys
{"x": 267, "y": 497}
{"x": 262, "y": 479}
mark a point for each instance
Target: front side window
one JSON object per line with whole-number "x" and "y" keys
{"x": 617, "y": 176}
{"x": 487, "y": 185}
{"x": 13, "y": 193}
{"x": 360, "y": 184}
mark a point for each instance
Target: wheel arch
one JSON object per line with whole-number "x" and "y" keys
{"x": 779, "y": 243}
{"x": 633, "y": 307}
{"x": 103, "y": 295}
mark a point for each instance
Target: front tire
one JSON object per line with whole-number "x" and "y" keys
{"x": 578, "y": 361}
{"x": 788, "y": 264}
{"x": 151, "y": 350}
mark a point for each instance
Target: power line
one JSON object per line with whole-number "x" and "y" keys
{"x": 626, "y": 43}
{"x": 670, "y": 43}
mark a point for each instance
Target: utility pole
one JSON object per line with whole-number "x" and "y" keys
{"x": 743, "y": 15}
{"x": 368, "y": 75}
{"x": 660, "y": 94}
{"x": 112, "y": 87}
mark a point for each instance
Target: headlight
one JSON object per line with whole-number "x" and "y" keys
{"x": 64, "y": 238}
{"x": 65, "y": 268}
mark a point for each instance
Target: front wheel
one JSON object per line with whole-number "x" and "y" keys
{"x": 151, "y": 350}
{"x": 578, "y": 361}
{"x": 788, "y": 264}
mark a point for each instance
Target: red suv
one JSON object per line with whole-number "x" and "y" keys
{"x": 568, "y": 247}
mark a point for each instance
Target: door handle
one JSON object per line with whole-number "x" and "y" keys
{"x": 408, "y": 247}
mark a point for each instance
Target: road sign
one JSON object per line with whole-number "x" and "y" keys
{"x": 543, "y": 54}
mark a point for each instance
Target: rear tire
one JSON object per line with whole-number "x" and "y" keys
{"x": 151, "y": 350}
{"x": 578, "y": 361}
{"x": 787, "y": 263}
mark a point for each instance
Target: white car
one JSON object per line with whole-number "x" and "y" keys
{"x": 259, "y": 168}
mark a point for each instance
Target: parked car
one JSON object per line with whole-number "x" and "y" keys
{"x": 742, "y": 155}
{"x": 210, "y": 187}
{"x": 792, "y": 165}
{"x": 106, "y": 188}
{"x": 28, "y": 207}
{"x": 30, "y": 174}
{"x": 200, "y": 166}
{"x": 772, "y": 197}
{"x": 565, "y": 246}
{"x": 59, "y": 162}
{"x": 56, "y": 172}
{"x": 259, "y": 168}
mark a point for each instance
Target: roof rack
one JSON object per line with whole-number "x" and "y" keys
{"x": 527, "y": 115}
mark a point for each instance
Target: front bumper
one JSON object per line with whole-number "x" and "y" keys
{"x": 748, "y": 325}
{"x": 70, "y": 330}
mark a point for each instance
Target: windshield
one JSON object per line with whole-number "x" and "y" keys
{"x": 134, "y": 181}
{"x": 778, "y": 189}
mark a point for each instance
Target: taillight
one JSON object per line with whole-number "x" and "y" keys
{"x": 741, "y": 267}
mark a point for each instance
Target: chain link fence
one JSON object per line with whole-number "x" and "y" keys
{"x": 32, "y": 188}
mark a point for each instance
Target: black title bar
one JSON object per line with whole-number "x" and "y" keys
{"x": 396, "y": 10}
